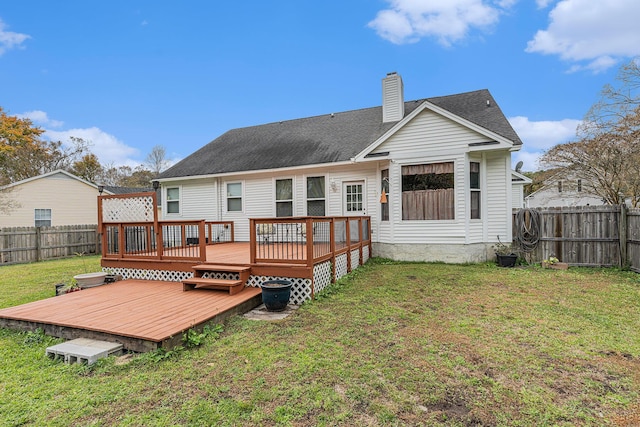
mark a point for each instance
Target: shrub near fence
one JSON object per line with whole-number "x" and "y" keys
{"x": 30, "y": 244}
{"x": 594, "y": 236}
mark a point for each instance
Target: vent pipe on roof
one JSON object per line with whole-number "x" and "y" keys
{"x": 392, "y": 98}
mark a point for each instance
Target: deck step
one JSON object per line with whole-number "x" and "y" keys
{"x": 234, "y": 286}
{"x": 218, "y": 267}
{"x": 83, "y": 350}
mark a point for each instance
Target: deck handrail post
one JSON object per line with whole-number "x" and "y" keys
{"x": 202, "y": 241}
{"x": 121, "y": 241}
{"x": 347, "y": 228}
{"x": 332, "y": 248}
{"x": 159, "y": 241}
{"x": 310, "y": 255}
{"x": 233, "y": 237}
{"x": 252, "y": 240}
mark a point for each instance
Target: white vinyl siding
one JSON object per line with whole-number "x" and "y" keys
{"x": 42, "y": 218}
{"x": 498, "y": 197}
{"x": 200, "y": 200}
{"x": 71, "y": 201}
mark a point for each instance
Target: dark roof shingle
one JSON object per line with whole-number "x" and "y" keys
{"x": 323, "y": 139}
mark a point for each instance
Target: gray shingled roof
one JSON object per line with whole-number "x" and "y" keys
{"x": 324, "y": 139}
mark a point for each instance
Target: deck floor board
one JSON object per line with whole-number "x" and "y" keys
{"x": 148, "y": 310}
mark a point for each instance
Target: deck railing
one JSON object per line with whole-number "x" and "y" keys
{"x": 164, "y": 240}
{"x": 306, "y": 240}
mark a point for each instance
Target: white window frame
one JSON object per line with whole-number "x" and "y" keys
{"x": 315, "y": 199}
{"x": 41, "y": 210}
{"x": 227, "y": 196}
{"x": 167, "y": 201}
{"x": 476, "y": 190}
{"x": 293, "y": 195}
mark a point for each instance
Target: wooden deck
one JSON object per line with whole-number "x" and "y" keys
{"x": 141, "y": 315}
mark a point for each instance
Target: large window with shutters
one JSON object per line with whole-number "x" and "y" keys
{"x": 316, "y": 198}
{"x": 428, "y": 192}
{"x": 284, "y": 197}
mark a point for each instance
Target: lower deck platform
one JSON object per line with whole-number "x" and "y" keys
{"x": 142, "y": 315}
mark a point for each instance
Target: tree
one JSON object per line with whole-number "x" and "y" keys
{"x": 156, "y": 160}
{"x": 139, "y": 178}
{"x": 607, "y": 152}
{"x": 24, "y": 153}
{"x": 88, "y": 168}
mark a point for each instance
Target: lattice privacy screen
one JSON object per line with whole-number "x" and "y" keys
{"x": 130, "y": 209}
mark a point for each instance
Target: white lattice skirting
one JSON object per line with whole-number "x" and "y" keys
{"x": 341, "y": 266}
{"x": 159, "y": 275}
{"x": 300, "y": 288}
{"x": 321, "y": 276}
{"x": 355, "y": 259}
{"x": 365, "y": 254}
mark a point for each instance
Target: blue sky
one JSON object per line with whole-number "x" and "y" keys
{"x": 128, "y": 75}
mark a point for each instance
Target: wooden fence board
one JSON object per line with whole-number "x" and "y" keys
{"x": 30, "y": 244}
{"x": 588, "y": 236}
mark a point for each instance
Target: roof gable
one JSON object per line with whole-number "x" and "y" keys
{"x": 60, "y": 172}
{"x": 326, "y": 139}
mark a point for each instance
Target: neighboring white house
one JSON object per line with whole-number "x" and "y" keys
{"x": 52, "y": 199}
{"x": 561, "y": 191}
{"x": 518, "y": 181}
{"x": 434, "y": 174}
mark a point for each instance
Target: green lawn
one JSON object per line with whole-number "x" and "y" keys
{"x": 392, "y": 344}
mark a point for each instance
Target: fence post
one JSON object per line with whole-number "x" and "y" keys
{"x": 38, "y": 244}
{"x": 623, "y": 233}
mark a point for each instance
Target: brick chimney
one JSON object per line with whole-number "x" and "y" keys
{"x": 392, "y": 98}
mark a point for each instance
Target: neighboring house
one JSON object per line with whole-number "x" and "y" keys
{"x": 434, "y": 174}
{"x": 52, "y": 199}
{"x": 518, "y": 181}
{"x": 562, "y": 191}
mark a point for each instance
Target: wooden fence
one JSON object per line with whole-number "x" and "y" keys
{"x": 594, "y": 236}
{"x": 30, "y": 244}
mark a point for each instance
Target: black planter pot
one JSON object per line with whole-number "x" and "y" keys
{"x": 276, "y": 294}
{"x": 507, "y": 260}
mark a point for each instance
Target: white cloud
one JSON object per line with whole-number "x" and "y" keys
{"x": 594, "y": 35}
{"x": 539, "y": 136}
{"x": 407, "y": 21}
{"x": 543, "y": 3}
{"x": 40, "y": 118}
{"x": 10, "y": 40}
{"x": 107, "y": 147}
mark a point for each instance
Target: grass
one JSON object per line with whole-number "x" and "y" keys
{"x": 392, "y": 344}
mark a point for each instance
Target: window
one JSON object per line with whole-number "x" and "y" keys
{"x": 173, "y": 200}
{"x": 353, "y": 198}
{"x": 284, "y": 197}
{"x": 427, "y": 192}
{"x": 384, "y": 195}
{"x": 43, "y": 217}
{"x": 559, "y": 186}
{"x": 316, "y": 196}
{"x": 474, "y": 184}
{"x": 579, "y": 185}
{"x": 234, "y": 197}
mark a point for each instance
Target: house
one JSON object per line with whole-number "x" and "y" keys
{"x": 433, "y": 174}
{"x": 51, "y": 199}
{"x": 562, "y": 191}
{"x": 518, "y": 181}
